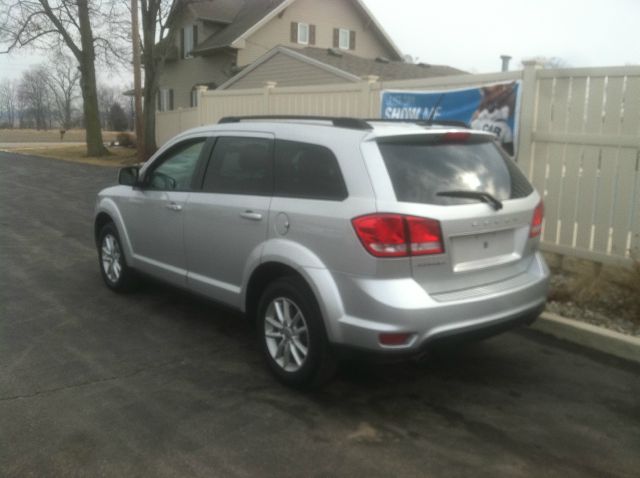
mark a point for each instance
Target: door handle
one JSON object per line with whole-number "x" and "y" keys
{"x": 252, "y": 216}
{"x": 174, "y": 207}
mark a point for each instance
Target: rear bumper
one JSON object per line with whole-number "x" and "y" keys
{"x": 440, "y": 341}
{"x": 372, "y": 307}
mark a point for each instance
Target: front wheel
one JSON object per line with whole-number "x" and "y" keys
{"x": 117, "y": 275}
{"x": 294, "y": 341}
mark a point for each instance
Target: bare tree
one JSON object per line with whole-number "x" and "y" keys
{"x": 158, "y": 44}
{"x": 35, "y": 98}
{"x": 85, "y": 27}
{"x": 107, "y": 96}
{"x": 8, "y": 102}
{"x": 550, "y": 62}
{"x": 63, "y": 81}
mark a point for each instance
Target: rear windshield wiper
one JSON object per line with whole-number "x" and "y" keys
{"x": 479, "y": 195}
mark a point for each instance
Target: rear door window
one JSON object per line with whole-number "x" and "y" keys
{"x": 420, "y": 168}
{"x": 309, "y": 171}
{"x": 240, "y": 165}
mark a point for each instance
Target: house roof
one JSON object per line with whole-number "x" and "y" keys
{"x": 219, "y": 11}
{"x": 350, "y": 67}
{"x": 244, "y": 17}
{"x": 386, "y": 69}
{"x": 241, "y": 16}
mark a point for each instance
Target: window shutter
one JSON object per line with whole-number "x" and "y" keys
{"x": 195, "y": 36}
{"x": 336, "y": 38}
{"x": 182, "y": 43}
{"x": 159, "y": 100}
{"x": 352, "y": 40}
{"x": 312, "y": 34}
{"x": 171, "y": 99}
{"x": 294, "y": 32}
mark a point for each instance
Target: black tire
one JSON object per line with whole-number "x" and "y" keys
{"x": 125, "y": 280}
{"x": 319, "y": 364}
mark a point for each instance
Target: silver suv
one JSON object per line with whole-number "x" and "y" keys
{"x": 333, "y": 234}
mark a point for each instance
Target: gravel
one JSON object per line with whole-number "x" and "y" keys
{"x": 606, "y": 305}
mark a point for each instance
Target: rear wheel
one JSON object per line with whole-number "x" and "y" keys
{"x": 116, "y": 274}
{"x": 294, "y": 340}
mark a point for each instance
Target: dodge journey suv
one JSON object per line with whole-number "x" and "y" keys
{"x": 333, "y": 234}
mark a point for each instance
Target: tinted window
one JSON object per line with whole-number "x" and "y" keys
{"x": 307, "y": 171}
{"x": 420, "y": 170}
{"x": 176, "y": 168}
{"x": 240, "y": 166}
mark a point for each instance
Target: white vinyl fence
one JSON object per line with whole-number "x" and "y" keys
{"x": 579, "y": 142}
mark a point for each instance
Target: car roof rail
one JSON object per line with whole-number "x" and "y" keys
{"x": 340, "y": 122}
{"x": 421, "y": 122}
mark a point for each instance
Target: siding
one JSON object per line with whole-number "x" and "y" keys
{"x": 326, "y": 15}
{"x": 183, "y": 75}
{"x": 286, "y": 71}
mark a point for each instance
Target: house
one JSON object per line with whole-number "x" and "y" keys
{"x": 218, "y": 38}
{"x": 322, "y": 66}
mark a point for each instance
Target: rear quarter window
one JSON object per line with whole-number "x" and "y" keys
{"x": 310, "y": 171}
{"x": 420, "y": 168}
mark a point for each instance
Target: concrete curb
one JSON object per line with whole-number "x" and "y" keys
{"x": 598, "y": 338}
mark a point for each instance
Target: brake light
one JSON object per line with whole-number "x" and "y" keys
{"x": 455, "y": 137}
{"x": 536, "y": 222}
{"x": 397, "y": 235}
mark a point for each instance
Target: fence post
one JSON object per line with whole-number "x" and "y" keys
{"x": 527, "y": 115}
{"x": 268, "y": 86}
{"x": 200, "y": 89}
{"x": 365, "y": 98}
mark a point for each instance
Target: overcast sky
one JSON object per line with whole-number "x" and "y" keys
{"x": 472, "y": 34}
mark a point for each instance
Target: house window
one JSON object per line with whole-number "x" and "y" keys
{"x": 303, "y": 33}
{"x": 344, "y": 39}
{"x": 165, "y": 99}
{"x": 188, "y": 40}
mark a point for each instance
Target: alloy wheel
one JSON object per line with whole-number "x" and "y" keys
{"x": 286, "y": 334}
{"x": 111, "y": 258}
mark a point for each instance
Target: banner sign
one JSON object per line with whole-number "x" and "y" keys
{"x": 491, "y": 108}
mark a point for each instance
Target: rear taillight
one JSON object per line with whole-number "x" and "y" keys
{"x": 397, "y": 235}
{"x": 536, "y": 222}
{"x": 394, "y": 339}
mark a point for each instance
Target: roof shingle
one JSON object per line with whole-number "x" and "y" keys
{"x": 240, "y": 15}
{"x": 386, "y": 70}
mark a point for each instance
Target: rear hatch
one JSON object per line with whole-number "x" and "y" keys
{"x": 484, "y": 204}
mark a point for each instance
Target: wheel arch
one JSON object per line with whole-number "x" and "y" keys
{"x": 277, "y": 262}
{"x": 106, "y": 212}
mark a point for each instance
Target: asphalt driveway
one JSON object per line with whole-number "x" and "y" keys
{"x": 160, "y": 383}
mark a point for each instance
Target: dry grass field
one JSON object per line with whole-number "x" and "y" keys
{"x": 48, "y": 136}
{"x": 77, "y": 153}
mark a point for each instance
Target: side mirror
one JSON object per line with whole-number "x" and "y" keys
{"x": 128, "y": 176}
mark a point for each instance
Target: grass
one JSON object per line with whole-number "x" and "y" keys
{"x": 48, "y": 136}
{"x": 78, "y": 153}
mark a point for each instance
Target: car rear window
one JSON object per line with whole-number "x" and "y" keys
{"x": 420, "y": 168}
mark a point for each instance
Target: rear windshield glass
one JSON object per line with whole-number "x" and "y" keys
{"x": 419, "y": 170}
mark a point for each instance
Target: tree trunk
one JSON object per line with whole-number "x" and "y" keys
{"x": 149, "y": 114}
{"x": 149, "y": 17}
{"x": 150, "y": 84}
{"x": 95, "y": 147}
